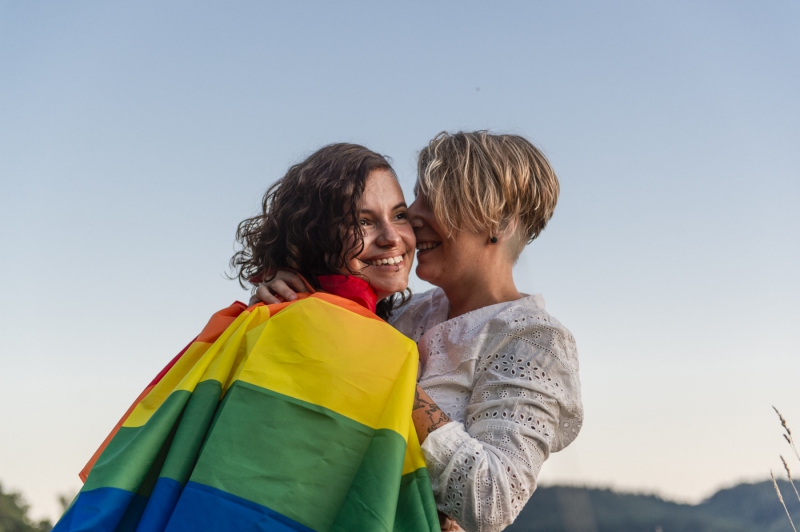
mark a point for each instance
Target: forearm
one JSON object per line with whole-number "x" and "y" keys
{"x": 427, "y": 416}
{"x": 480, "y": 485}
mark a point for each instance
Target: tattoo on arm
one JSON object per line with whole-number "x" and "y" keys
{"x": 433, "y": 415}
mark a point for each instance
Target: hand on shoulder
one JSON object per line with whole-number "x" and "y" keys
{"x": 283, "y": 287}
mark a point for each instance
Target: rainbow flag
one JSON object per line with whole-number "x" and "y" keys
{"x": 289, "y": 417}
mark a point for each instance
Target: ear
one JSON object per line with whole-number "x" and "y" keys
{"x": 508, "y": 231}
{"x": 508, "y": 239}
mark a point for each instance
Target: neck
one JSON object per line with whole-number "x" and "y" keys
{"x": 466, "y": 295}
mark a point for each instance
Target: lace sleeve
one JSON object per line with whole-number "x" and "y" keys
{"x": 525, "y": 404}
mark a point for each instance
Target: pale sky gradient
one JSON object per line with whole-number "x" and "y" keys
{"x": 135, "y": 136}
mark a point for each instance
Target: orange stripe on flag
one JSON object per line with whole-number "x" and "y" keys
{"x": 220, "y": 321}
{"x": 352, "y": 306}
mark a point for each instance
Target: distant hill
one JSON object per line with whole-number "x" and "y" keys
{"x": 742, "y": 508}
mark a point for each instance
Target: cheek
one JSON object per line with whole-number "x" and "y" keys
{"x": 367, "y": 241}
{"x": 409, "y": 264}
{"x": 410, "y": 239}
{"x": 458, "y": 253}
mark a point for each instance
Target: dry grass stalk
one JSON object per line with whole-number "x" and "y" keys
{"x": 780, "y": 498}
{"x": 788, "y": 433}
{"x": 789, "y": 474}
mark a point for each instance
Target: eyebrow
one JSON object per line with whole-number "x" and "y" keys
{"x": 401, "y": 204}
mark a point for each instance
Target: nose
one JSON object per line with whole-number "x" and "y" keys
{"x": 388, "y": 236}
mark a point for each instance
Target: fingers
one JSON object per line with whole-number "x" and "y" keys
{"x": 288, "y": 280}
{"x": 284, "y": 287}
{"x": 452, "y": 526}
{"x": 281, "y": 289}
{"x": 264, "y": 295}
{"x": 447, "y": 524}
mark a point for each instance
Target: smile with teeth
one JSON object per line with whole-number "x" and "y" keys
{"x": 382, "y": 262}
{"x": 422, "y": 246}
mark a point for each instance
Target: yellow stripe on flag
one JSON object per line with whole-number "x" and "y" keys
{"x": 414, "y": 458}
{"x": 325, "y": 369}
{"x": 201, "y": 362}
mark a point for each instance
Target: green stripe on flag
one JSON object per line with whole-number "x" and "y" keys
{"x": 166, "y": 445}
{"x": 416, "y": 504}
{"x": 191, "y": 434}
{"x": 309, "y": 462}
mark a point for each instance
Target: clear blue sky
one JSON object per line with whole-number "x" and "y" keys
{"x": 135, "y": 136}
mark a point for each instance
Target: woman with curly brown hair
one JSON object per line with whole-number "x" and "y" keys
{"x": 500, "y": 372}
{"x": 287, "y": 417}
{"x": 341, "y": 211}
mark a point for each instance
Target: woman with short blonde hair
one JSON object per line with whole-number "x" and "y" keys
{"x": 478, "y": 180}
{"x": 499, "y": 388}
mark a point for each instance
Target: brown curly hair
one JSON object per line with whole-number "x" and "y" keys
{"x": 306, "y": 217}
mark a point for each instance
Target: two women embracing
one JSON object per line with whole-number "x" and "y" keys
{"x": 336, "y": 400}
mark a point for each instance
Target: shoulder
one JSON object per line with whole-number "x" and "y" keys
{"x": 420, "y": 300}
{"x": 331, "y": 315}
{"x": 527, "y": 321}
{"x": 536, "y": 352}
{"x": 412, "y": 318}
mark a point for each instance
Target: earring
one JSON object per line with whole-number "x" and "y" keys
{"x": 493, "y": 240}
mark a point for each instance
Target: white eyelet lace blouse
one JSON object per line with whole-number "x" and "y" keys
{"x": 507, "y": 375}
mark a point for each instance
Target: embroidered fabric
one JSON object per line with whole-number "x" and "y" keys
{"x": 507, "y": 375}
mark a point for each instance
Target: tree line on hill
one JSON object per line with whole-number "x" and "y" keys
{"x": 14, "y": 514}
{"x": 742, "y": 508}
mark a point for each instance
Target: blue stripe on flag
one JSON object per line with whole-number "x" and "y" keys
{"x": 202, "y": 507}
{"x": 98, "y": 510}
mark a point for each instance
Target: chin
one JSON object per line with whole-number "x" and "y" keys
{"x": 384, "y": 293}
{"x": 384, "y": 290}
{"x": 424, "y": 274}
{"x": 390, "y": 282}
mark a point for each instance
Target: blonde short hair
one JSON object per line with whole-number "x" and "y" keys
{"x": 477, "y": 181}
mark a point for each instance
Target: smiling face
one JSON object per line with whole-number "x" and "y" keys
{"x": 389, "y": 239}
{"x": 448, "y": 262}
